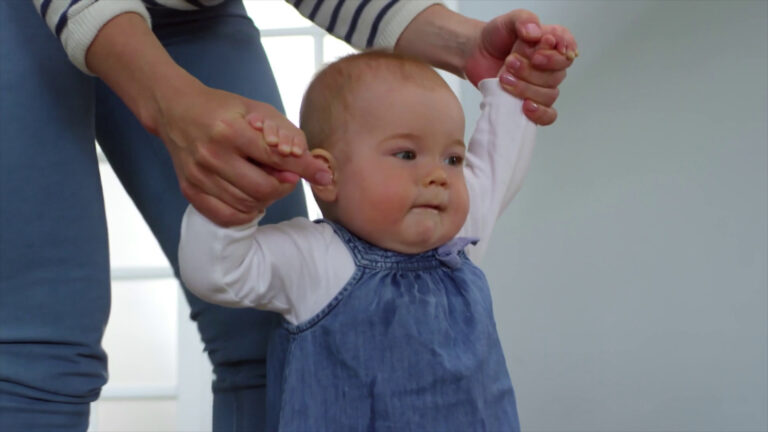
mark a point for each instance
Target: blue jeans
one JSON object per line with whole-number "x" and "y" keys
{"x": 54, "y": 264}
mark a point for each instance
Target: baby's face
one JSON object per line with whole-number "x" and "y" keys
{"x": 400, "y": 175}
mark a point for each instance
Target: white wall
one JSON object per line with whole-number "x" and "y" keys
{"x": 629, "y": 275}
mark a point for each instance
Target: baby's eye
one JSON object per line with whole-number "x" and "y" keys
{"x": 454, "y": 160}
{"x": 406, "y": 155}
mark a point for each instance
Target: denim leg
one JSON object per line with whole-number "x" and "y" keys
{"x": 54, "y": 263}
{"x": 220, "y": 47}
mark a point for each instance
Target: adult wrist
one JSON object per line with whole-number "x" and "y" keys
{"x": 127, "y": 56}
{"x": 441, "y": 37}
{"x": 83, "y": 26}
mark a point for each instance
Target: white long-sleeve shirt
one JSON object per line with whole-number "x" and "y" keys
{"x": 297, "y": 267}
{"x": 362, "y": 23}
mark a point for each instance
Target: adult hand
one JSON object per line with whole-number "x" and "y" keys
{"x": 534, "y": 56}
{"x": 224, "y": 166}
{"x": 477, "y": 50}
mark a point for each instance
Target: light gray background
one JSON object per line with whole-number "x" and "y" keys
{"x": 629, "y": 275}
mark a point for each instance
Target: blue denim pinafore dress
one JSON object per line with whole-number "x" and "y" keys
{"x": 409, "y": 344}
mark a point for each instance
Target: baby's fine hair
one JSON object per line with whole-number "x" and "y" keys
{"x": 326, "y": 103}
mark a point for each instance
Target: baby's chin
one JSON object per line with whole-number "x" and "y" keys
{"x": 411, "y": 239}
{"x": 412, "y": 245}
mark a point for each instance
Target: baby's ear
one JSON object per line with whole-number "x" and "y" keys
{"x": 325, "y": 193}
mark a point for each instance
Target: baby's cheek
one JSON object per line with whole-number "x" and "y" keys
{"x": 371, "y": 200}
{"x": 461, "y": 206}
{"x": 461, "y": 195}
{"x": 390, "y": 207}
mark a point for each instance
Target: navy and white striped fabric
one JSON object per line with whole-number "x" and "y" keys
{"x": 357, "y": 22}
{"x": 361, "y": 23}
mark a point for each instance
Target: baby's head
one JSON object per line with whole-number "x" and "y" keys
{"x": 391, "y": 132}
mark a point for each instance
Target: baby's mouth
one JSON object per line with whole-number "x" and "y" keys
{"x": 433, "y": 207}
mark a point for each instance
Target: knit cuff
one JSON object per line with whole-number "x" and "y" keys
{"x": 397, "y": 19}
{"x": 82, "y": 28}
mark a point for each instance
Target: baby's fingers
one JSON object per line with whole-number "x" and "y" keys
{"x": 287, "y": 139}
{"x": 547, "y": 41}
{"x": 271, "y": 134}
{"x": 292, "y": 143}
{"x": 566, "y": 43}
{"x": 298, "y": 145}
{"x": 268, "y": 128}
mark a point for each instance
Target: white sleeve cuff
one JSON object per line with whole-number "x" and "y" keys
{"x": 83, "y": 26}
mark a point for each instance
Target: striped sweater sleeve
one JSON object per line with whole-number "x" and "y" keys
{"x": 76, "y": 22}
{"x": 363, "y": 23}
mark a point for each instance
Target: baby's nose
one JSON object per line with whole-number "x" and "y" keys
{"x": 436, "y": 177}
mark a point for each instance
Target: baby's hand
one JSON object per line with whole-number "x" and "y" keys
{"x": 533, "y": 72}
{"x": 557, "y": 44}
{"x": 286, "y": 139}
{"x": 560, "y": 39}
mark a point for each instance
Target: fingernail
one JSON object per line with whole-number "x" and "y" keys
{"x": 515, "y": 63}
{"x": 509, "y": 80}
{"x": 532, "y": 106}
{"x": 570, "y": 55}
{"x": 253, "y": 120}
{"x": 532, "y": 30}
{"x": 539, "y": 60}
{"x": 323, "y": 178}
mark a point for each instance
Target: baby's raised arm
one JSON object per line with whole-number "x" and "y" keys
{"x": 501, "y": 146}
{"x": 498, "y": 157}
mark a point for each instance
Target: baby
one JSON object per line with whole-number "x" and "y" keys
{"x": 388, "y": 325}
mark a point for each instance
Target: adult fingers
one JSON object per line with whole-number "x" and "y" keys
{"x": 525, "y": 24}
{"x": 541, "y": 115}
{"x": 501, "y": 33}
{"x": 267, "y": 184}
{"x": 518, "y": 66}
{"x": 523, "y": 90}
{"x": 235, "y": 181}
{"x": 219, "y": 163}
{"x": 282, "y": 176}
{"x": 216, "y": 210}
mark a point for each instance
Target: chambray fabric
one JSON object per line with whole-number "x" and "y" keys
{"x": 408, "y": 344}
{"x": 54, "y": 258}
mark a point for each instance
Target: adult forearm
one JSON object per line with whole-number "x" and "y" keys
{"x": 441, "y": 37}
{"x": 211, "y": 144}
{"x": 127, "y": 56}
